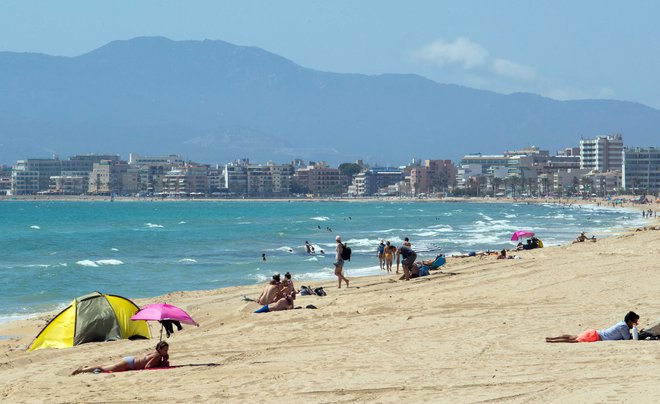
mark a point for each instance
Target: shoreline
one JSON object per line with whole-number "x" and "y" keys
{"x": 627, "y": 199}
{"x": 22, "y": 317}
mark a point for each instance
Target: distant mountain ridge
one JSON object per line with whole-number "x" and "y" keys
{"x": 214, "y": 102}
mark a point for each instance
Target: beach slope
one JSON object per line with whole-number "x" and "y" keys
{"x": 474, "y": 333}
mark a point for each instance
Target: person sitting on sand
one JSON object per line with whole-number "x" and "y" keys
{"x": 286, "y": 287}
{"x": 581, "y": 238}
{"x": 285, "y": 303}
{"x": 271, "y": 291}
{"x": 502, "y": 255}
{"x": 619, "y": 331}
{"x": 157, "y": 359}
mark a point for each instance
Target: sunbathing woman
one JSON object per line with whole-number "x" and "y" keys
{"x": 157, "y": 359}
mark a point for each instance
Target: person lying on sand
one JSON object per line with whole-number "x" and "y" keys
{"x": 285, "y": 303}
{"x": 619, "y": 331}
{"x": 157, "y": 359}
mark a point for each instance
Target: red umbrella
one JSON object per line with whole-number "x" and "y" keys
{"x": 163, "y": 311}
{"x": 517, "y": 235}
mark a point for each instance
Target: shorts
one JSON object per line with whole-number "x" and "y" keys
{"x": 588, "y": 336}
{"x": 339, "y": 263}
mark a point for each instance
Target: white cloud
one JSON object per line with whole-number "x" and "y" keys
{"x": 477, "y": 69}
{"x": 462, "y": 52}
{"x": 513, "y": 70}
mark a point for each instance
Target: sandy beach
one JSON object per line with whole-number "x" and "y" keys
{"x": 473, "y": 333}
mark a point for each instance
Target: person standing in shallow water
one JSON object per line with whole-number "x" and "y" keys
{"x": 339, "y": 263}
{"x": 380, "y": 252}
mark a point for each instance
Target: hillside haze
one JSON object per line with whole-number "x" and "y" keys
{"x": 214, "y": 102}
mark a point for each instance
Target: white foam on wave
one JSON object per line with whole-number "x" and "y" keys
{"x": 312, "y": 259}
{"x": 389, "y": 231}
{"x": 320, "y": 218}
{"x": 187, "y": 260}
{"x": 259, "y": 277}
{"x": 183, "y": 222}
{"x": 153, "y": 225}
{"x": 110, "y": 262}
{"x": 285, "y": 249}
{"x": 441, "y": 227}
{"x": 94, "y": 264}
{"x": 34, "y": 226}
{"x": 114, "y": 249}
{"x": 38, "y": 266}
{"x": 510, "y": 215}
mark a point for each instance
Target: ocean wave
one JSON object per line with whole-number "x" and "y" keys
{"x": 109, "y": 262}
{"x": 187, "y": 260}
{"x": 87, "y": 263}
{"x": 153, "y": 225}
{"x": 114, "y": 249}
{"x": 285, "y": 249}
{"x": 320, "y": 218}
{"x": 34, "y": 226}
{"x": 183, "y": 222}
{"x": 91, "y": 263}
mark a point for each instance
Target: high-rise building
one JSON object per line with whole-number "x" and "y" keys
{"x": 641, "y": 169}
{"x": 602, "y": 153}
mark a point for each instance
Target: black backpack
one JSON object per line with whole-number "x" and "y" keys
{"x": 346, "y": 253}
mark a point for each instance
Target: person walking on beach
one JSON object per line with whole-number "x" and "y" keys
{"x": 390, "y": 250}
{"x": 619, "y": 331}
{"x": 339, "y": 263}
{"x": 380, "y": 252}
{"x": 157, "y": 359}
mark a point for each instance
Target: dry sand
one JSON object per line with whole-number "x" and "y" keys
{"x": 474, "y": 333}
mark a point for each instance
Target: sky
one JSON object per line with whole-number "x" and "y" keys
{"x": 559, "y": 49}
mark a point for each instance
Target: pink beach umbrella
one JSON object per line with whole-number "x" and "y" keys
{"x": 163, "y": 311}
{"x": 521, "y": 234}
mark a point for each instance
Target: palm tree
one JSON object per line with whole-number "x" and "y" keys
{"x": 497, "y": 181}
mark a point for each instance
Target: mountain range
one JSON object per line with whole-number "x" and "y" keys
{"x": 211, "y": 101}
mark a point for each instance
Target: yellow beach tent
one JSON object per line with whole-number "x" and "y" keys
{"x": 95, "y": 317}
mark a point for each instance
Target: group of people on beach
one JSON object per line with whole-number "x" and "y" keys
{"x": 277, "y": 294}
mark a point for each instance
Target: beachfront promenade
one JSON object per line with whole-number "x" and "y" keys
{"x": 477, "y": 335}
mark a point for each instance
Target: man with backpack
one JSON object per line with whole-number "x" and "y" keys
{"x": 339, "y": 262}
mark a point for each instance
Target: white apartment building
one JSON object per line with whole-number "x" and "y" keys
{"x": 602, "y": 153}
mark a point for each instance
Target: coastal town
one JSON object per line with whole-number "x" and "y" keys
{"x": 599, "y": 167}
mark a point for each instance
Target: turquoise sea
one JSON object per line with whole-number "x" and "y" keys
{"x": 55, "y": 251}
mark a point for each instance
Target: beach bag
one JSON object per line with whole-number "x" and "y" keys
{"x": 319, "y": 291}
{"x": 346, "y": 253}
{"x": 305, "y": 291}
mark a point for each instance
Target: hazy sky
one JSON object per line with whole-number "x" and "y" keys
{"x": 560, "y": 49}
